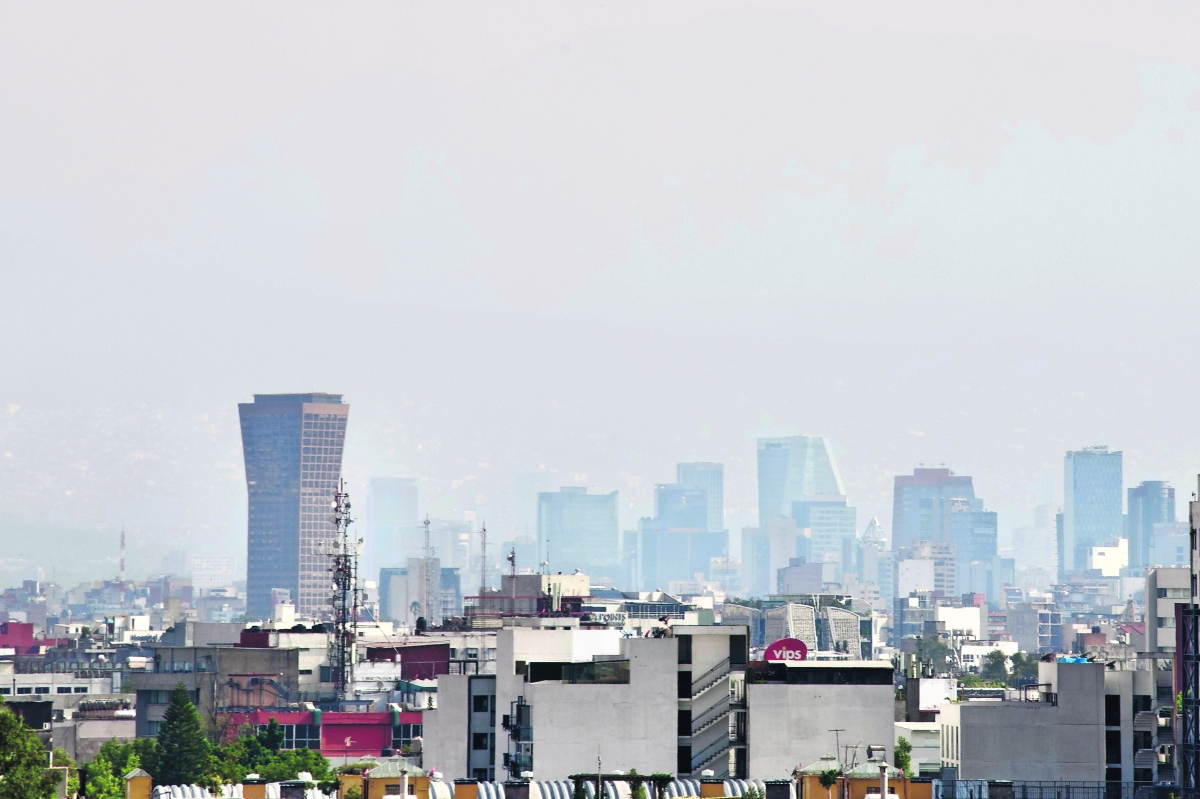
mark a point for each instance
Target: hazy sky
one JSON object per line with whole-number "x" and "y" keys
{"x": 592, "y": 238}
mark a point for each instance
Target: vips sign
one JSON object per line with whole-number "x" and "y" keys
{"x": 786, "y": 649}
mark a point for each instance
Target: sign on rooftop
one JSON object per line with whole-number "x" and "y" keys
{"x": 786, "y": 649}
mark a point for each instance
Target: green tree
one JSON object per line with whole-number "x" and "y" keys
{"x": 828, "y": 778}
{"x": 1024, "y": 669}
{"x": 61, "y": 759}
{"x": 272, "y": 737}
{"x": 902, "y": 757}
{"x": 995, "y": 666}
{"x": 23, "y": 772}
{"x": 183, "y": 751}
{"x": 125, "y": 757}
{"x": 102, "y": 783}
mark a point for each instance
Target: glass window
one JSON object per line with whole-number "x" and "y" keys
{"x": 63, "y": 689}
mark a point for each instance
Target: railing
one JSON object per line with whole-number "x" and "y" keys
{"x": 711, "y": 753}
{"x": 711, "y": 716}
{"x": 710, "y": 678}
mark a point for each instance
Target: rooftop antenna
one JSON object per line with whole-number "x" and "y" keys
{"x": 427, "y": 604}
{"x": 512, "y": 562}
{"x": 837, "y": 740}
{"x": 344, "y": 567}
{"x": 122, "y": 577}
{"x": 483, "y": 557}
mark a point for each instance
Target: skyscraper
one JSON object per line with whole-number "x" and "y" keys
{"x": 1151, "y": 503}
{"x": 711, "y": 478}
{"x": 921, "y": 503}
{"x": 676, "y": 544}
{"x": 794, "y": 469}
{"x": 1091, "y": 503}
{"x": 578, "y": 530}
{"x": 393, "y": 529}
{"x": 292, "y": 445}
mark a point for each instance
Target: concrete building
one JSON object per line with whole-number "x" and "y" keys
{"x": 926, "y": 740}
{"x": 1036, "y": 626}
{"x": 793, "y": 706}
{"x": 921, "y": 504}
{"x": 1165, "y": 588}
{"x": 393, "y": 529}
{"x": 1091, "y": 503}
{"x": 1084, "y": 723}
{"x": 292, "y": 445}
{"x": 562, "y": 695}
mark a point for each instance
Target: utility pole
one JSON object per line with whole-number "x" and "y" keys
{"x": 837, "y": 743}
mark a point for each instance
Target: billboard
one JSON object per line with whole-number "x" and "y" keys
{"x": 786, "y": 649}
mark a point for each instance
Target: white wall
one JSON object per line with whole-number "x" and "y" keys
{"x": 913, "y": 575}
{"x": 445, "y": 729}
{"x": 789, "y": 724}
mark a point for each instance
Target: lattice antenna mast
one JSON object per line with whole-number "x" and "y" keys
{"x": 483, "y": 558}
{"x": 427, "y": 603}
{"x": 344, "y": 568}
{"x": 122, "y": 577}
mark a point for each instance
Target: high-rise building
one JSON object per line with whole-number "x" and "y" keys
{"x": 834, "y": 526}
{"x": 1151, "y": 503}
{"x": 711, "y": 478}
{"x": 292, "y": 445}
{"x": 1091, "y": 503}
{"x": 676, "y": 545}
{"x": 527, "y": 485}
{"x": 794, "y": 469}
{"x": 921, "y": 504}
{"x": 578, "y": 530}
{"x": 393, "y": 529}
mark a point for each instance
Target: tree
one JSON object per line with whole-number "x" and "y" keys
{"x": 23, "y": 761}
{"x": 1024, "y": 669}
{"x": 125, "y": 757}
{"x": 828, "y": 778}
{"x": 902, "y": 757}
{"x": 60, "y": 759}
{"x": 183, "y": 751}
{"x": 995, "y": 666}
{"x": 102, "y": 783}
{"x": 272, "y": 737}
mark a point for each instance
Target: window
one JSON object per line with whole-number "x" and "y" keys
{"x": 403, "y": 735}
{"x": 159, "y": 697}
{"x": 298, "y": 736}
{"x": 24, "y": 689}
{"x": 685, "y": 648}
{"x": 1112, "y": 713}
{"x": 683, "y": 760}
{"x": 685, "y": 690}
{"x": 81, "y": 689}
{"x": 480, "y": 703}
{"x": 1172, "y": 593}
{"x": 479, "y": 741}
{"x": 1166, "y": 621}
{"x": 5, "y": 691}
{"x": 1112, "y": 774}
{"x": 1141, "y": 703}
{"x": 685, "y": 723}
{"x": 1112, "y": 747}
{"x": 42, "y": 689}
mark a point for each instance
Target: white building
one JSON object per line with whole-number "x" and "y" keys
{"x": 926, "y": 740}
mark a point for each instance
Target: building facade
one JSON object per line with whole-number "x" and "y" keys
{"x": 1149, "y": 504}
{"x": 393, "y": 529}
{"x": 922, "y": 502}
{"x": 578, "y": 530}
{"x": 292, "y": 445}
{"x": 794, "y": 469}
{"x": 709, "y": 477}
{"x": 1091, "y": 504}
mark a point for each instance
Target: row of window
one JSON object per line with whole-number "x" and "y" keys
{"x": 44, "y": 689}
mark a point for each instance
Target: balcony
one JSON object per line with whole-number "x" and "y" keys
{"x": 1145, "y": 758}
{"x": 1145, "y": 721}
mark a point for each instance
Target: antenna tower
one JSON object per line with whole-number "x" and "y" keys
{"x": 343, "y": 555}
{"x": 483, "y": 558}
{"x": 427, "y": 603}
{"x": 122, "y": 577}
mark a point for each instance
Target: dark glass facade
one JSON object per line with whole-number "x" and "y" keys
{"x": 292, "y": 445}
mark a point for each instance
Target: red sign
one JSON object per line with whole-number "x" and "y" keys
{"x": 786, "y": 649}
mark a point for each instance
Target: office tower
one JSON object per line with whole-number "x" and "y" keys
{"x": 292, "y": 444}
{"x": 1091, "y": 503}
{"x": 794, "y": 469}
{"x": 676, "y": 545}
{"x": 833, "y": 525}
{"x": 578, "y": 530}
{"x": 393, "y": 527}
{"x": 756, "y": 562}
{"x": 920, "y": 504}
{"x": 711, "y": 478}
{"x": 1151, "y": 503}
{"x": 211, "y": 571}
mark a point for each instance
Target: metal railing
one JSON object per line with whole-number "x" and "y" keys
{"x": 710, "y": 678}
{"x": 711, "y": 716}
{"x": 711, "y": 753}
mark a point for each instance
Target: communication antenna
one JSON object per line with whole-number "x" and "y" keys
{"x": 122, "y": 577}
{"x": 344, "y": 567}
{"x": 427, "y": 603}
{"x": 483, "y": 557}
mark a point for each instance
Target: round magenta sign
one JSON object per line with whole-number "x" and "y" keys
{"x": 786, "y": 649}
